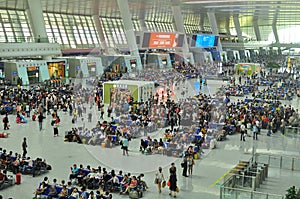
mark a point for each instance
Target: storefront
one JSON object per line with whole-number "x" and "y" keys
{"x": 33, "y": 74}
{"x": 92, "y": 68}
{"x": 56, "y": 69}
{"x": 116, "y": 91}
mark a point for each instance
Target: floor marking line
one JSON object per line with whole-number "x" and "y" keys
{"x": 221, "y": 178}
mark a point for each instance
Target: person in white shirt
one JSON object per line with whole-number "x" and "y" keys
{"x": 159, "y": 178}
{"x": 243, "y": 131}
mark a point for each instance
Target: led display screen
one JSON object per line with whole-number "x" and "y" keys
{"x": 162, "y": 40}
{"x": 204, "y": 41}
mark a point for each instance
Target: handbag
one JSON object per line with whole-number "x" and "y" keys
{"x": 156, "y": 181}
{"x": 182, "y": 164}
{"x": 169, "y": 183}
{"x": 163, "y": 184}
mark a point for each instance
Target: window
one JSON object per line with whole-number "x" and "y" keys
{"x": 14, "y": 26}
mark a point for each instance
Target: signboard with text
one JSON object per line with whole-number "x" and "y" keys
{"x": 159, "y": 40}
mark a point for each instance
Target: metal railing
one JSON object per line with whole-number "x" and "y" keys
{"x": 235, "y": 193}
{"x": 28, "y": 40}
{"x": 293, "y": 132}
{"x": 279, "y": 161}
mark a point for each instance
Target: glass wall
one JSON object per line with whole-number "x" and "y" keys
{"x": 72, "y": 31}
{"x": 191, "y": 23}
{"x": 14, "y": 26}
{"x": 113, "y": 30}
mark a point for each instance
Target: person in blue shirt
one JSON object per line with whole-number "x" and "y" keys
{"x": 255, "y": 132}
{"x": 75, "y": 172}
{"x": 125, "y": 143}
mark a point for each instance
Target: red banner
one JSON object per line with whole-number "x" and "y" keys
{"x": 163, "y": 40}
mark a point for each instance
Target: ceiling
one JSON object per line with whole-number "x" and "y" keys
{"x": 287, "y": 12}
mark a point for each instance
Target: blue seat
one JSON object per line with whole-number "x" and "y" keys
{"x": 197, "y": 130}
{"x": 114, "y": 138}
{"x": 85, "y": 172}
{"x": 197, "y": 136}
{"x": 166, "y": 144}
{"x": 129, "y": 122}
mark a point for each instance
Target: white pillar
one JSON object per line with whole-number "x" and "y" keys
{"x": 214, "y": 28}
{"x": 274, "y": 27}
{"x": 256, "y": 28}
{"x": 238, "y": 27}
{"x": 128, "y": 27}
{"x": 36, "y": 19}
{"x": 179, "y": 24}
{"x": 98, "y": 25}
{"x": 202, "y": 17}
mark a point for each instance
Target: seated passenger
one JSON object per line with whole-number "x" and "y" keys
{"x": 64, "y": 193}
{"x": 52, "y": 191}
{"x": 132, "y": 185}
{"x": 74, "y": 172}
{"x": 42, "y": 188}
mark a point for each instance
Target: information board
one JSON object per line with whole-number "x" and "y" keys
{"x": 157, "y": 40}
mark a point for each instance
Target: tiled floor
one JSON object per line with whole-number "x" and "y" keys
{"x": 201, "y": 185}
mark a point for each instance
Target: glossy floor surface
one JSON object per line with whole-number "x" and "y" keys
{"x": 203, "y": 184}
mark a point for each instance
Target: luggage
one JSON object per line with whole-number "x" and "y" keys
{"x": 134, "y": 194}
{"x": 196, "y": 156}
{"x": 18, "y": 178}
{"x": 212, "y": 144}
{"x": 3, "y": 135}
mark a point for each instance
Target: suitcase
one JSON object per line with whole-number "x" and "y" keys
{"x": 18, "y": 178}
{"x": 133, "y": 194}
{"x": 196, "y": 156}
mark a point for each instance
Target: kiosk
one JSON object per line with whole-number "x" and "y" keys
{"x": 30, "y": 71}
{"x": 115, "y": 91}
{"x": 247, "y": 68}
{"x": 85, "y": 67}
{"x": 183, "y": 57}
{"x": 158, "y": 61}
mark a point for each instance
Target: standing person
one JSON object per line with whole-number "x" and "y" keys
{"x": 190, "y": 161}
{"x": 159, "y": 178}
{"x": 90, "y": 117}
{"x": 109, "y": 111}
{"x": 243, "y": 129}
{"x": 5, "y": 122}
{"x": 24, "y": 147}
{"x": 185, "y": 165}
{"x": 55, "y": 126}
{"x": 124, "y": 144}
{"x": 41, "y": 118}
{"x": 255, "y": 131}
{"x": 102, "y": 112}
{"x": 173, "y": 180}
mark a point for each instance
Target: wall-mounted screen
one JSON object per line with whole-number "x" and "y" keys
{"x": 133, "y": 63}
{"x": 157, "y": 40}
{"x": 204, "y": 41}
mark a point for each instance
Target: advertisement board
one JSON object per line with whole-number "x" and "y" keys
{"x": 156, "y": 40}
{"x": 204, "y": 41}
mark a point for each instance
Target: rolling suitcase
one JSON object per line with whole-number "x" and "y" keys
{"x": 133, "y": 194}
{"x": 18, "y": 178}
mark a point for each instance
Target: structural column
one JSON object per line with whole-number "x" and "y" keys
{"x": 214, "y": 28}
{"x": 128, "y": 27}
{"x": 256, "y": 28}
{"x": 98, "y": 25}
{"x": 202, "y": 17}
{"x": 238, "y": 27}
{"x": 36, "y": 20}
{"x": 36, "y": 17}
{"x": 274, "y": 27}
{"x": 179, "y": 24}
{"x": 227, "y": 27}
